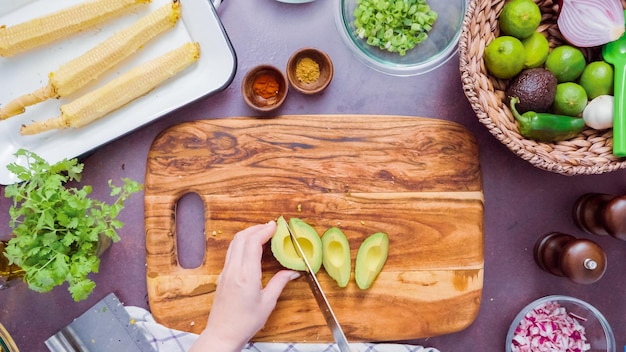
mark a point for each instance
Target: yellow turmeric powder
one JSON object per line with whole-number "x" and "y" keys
{"x": 307, "y": 70}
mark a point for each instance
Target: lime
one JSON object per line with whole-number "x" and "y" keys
{"x": 536, "y": 48}
{"x": 519, "y": 18}
{"x": 566, "y": 63}
{"x": 597, "y": 79}
{"x": 504, "y": 57}
{"x": 570, "y": 99}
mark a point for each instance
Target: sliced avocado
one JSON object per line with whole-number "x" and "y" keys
{"x": 370, "y": 259}
{"x": 336, "y": 255}
{"x": 308, "y": 238}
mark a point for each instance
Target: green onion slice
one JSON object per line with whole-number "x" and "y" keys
{"x": 393, "y": 25}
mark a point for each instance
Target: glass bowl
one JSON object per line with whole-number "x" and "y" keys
{"x": 597, "y": 329}
{"x": 440, "y": 46}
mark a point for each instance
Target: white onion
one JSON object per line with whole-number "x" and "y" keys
{"x": 598, "y": 114}
{"x": 587, "y": 23}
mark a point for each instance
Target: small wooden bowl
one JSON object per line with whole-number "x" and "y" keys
{"x": 267, "y": 95}
{"x": 325, "y": 71}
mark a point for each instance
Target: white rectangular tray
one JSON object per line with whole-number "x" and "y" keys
{"x": 26, "y": 72}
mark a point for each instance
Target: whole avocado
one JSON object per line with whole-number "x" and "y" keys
{"x": 535, "y": 88}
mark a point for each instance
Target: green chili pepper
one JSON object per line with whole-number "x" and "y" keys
{"x": 546, "y": 127}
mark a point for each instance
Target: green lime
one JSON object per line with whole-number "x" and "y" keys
{"x": 536, "y": 48}
{"x": 597, "y": 79}
{"x": 519, "y": 18}
{"x": 504, "y": 57}
{"x": 570, "y": 99}
{"x": 566, "y": 63}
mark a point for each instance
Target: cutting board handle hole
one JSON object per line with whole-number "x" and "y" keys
{"x": 190, "y": 232}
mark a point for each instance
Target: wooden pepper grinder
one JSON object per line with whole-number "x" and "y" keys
{"x": 580, "y": 260}
{"x": 601, "y": 214}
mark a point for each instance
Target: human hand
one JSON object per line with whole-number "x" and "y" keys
{"x": 241, "y": 305}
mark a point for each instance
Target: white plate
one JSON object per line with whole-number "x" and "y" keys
{"x": 26, "y": 72}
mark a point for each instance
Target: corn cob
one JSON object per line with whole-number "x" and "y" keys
{"x": 61, "y": 24}
{"x": 120, "y": 91}
{"x": 88, "y": 67}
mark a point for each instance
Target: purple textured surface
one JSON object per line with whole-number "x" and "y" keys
{"x": 521, "y": 201}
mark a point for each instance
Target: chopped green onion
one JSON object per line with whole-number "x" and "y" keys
{"x": 393, "y": 25}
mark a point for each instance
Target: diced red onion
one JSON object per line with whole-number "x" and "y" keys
{"x": 549, "y": 328}
{"x": 587, "y": 23}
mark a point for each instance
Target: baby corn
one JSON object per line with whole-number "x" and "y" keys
{"x": 88, "y": 67}
{"x": 120, "y": 91}
{"x": 61, "y": 24}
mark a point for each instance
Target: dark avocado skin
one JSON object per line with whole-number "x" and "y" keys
{"x": 535, "y": 89}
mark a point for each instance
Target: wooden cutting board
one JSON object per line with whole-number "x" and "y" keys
{"x": 417, "y": 179}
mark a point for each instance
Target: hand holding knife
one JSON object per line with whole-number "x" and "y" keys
{"x": 320, "y": 298}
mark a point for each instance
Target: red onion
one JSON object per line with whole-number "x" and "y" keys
{"x": 549, "y": 328}
{"x": 587, "y": 23}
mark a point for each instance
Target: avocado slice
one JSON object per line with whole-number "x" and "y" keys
{"x": 336, "y": 256}
{"x": 308, "y": 238}
{"x": 370, "y": 259}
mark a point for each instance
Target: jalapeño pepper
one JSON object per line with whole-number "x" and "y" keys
{"x": 546, "y": 127}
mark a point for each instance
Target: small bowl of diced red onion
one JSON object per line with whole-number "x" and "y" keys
{"x": 560, "y": 323}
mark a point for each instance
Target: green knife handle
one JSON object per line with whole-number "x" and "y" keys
{"x": 619, "y": 114}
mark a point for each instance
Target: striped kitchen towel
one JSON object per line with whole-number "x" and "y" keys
{"x": 164, "y": 339}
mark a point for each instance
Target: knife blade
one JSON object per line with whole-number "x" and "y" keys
{"x": 320, "y": 298}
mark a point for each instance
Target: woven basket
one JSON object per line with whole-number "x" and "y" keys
{"x": 589, "y": 153}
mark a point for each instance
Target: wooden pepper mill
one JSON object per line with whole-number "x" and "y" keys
{"x": 580, "y": 260}
{"x": 601, "y": 214}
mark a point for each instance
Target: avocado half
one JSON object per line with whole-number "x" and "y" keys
{"x": 370, "y": 259}
{"x": 310, "y": 241}
{"x": 336, "y": 256}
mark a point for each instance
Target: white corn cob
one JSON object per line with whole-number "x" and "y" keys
{"x": 88, "y": 67}
{"x": 61, "y": 24}
{"x": 120, "y": 91}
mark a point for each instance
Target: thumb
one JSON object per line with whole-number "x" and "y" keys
{"x": 275, "y": 286}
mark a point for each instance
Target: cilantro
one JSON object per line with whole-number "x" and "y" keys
{"x": 57, "y": 228}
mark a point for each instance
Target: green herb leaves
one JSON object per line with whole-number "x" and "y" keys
{"x": 57, "y": 228}
{"x": 393, "y": 25}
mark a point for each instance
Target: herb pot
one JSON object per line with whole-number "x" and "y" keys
{"x": 8, "y": 272}
{"x": 104, "y": 243}
{"x": 68, "y": 228}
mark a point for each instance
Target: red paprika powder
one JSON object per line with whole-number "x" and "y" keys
{"x": 265, "y": 86}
